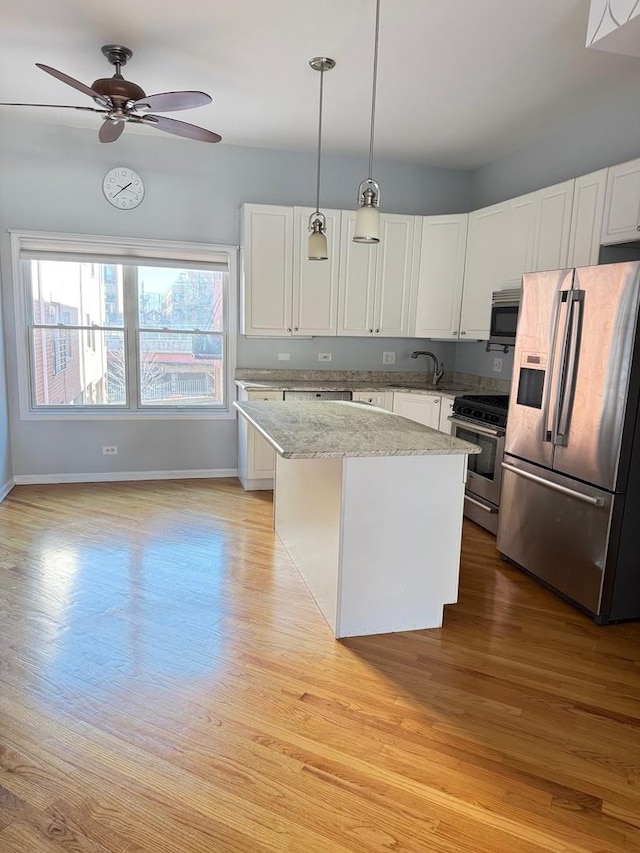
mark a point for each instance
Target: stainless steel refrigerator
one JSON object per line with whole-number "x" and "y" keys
{"x": 570, "y": 501}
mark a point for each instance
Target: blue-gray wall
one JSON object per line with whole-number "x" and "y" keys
{"x": 51, "y": 179}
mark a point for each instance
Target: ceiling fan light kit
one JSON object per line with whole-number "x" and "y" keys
{"x": 317, "y": 248}
{"x": 367, "y": 225}
{"x": 120, "y": 101}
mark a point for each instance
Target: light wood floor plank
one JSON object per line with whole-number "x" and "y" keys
{"x": 168, "y": 684}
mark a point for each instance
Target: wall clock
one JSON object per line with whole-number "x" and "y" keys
{"x": 123, "y": 188}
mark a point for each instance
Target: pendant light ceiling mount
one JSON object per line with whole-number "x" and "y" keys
{"x": 367, "y": 225}
{"x": 317, "y": 222}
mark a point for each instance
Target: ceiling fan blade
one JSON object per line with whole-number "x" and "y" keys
{"x": 165, "y": 102}
{"x": 76, "y": 84}
{"x": 110, "y": 130}
{"x": 181, "y": 128}
{"x": 57, "y": 107}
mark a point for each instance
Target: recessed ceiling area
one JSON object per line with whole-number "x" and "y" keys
{"x": 460, "y": 83}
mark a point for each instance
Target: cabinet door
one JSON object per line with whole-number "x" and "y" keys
{"x": 484, "y": 269}
{"x": 423, "y": 408}
{"x": 394, "y": 275}
{"x": 552, "y": 239}
{"x": 586, "y": 219}
{"x": 261, "y": 462}
{"x": 519, "y": 249}
{"x": 382, "y": 399}
{"x": 315, "y": 283}
{"x": 267, "y": 269}
{"x": 446, "y": 410}
{"x": 357, "y": 277}
{"x": 440, "y": 276}
{"x": 622, "y": 204}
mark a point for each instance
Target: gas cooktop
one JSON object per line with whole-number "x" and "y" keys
{"x": 482, "y": 408}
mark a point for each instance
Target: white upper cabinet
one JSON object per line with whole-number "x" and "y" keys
{"x": 586, "y": 219}
{"x": 442, "y": 244}
{"x": 519, "y": 249}
{"x": 315, "y": 283}
{"x": 485, "y": 269}
{"x": 283, "y": 292}
{"x": 622, "y": 204}
{"x": 267, "y": 269}
{"x": 554, "y": 227}
{"x": 376, "y": 281}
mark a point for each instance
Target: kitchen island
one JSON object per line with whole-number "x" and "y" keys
{"x": 369, "y": 506}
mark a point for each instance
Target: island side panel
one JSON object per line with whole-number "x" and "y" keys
{"x": 401, "y": 537}
{"x": 307, "y": 519}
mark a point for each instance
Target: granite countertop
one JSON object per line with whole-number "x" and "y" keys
{"x": 341, "y": 385}
{"x": 301, "y": 430}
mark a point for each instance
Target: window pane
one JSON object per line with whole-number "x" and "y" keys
{"x": 180, "y": 298}
{"x": 180, "y": 369}
{"x": 71, "y": 368}
{"x": 76, "y": 293}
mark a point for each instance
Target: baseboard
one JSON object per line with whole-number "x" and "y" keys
{"x": 4, "y": 490}
{"x": 117, "y": 476}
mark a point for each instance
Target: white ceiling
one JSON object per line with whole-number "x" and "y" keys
{"x": 460, "y": 82}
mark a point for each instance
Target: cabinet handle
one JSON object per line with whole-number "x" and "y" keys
{"x": 289, "y": 330}
{"x": 370, "y": 331}
{"x": 463, "y": 333}
{"x": 295, "y": 329}
{"x": 377, "y": 331}
{"x": 638, "y": 228}
{"x": 454, "y": 333}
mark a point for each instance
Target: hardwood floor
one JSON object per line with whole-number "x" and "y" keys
{"x": 168, "y": 684}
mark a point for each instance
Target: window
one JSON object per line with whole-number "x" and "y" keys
{"x": 142, "y": 329}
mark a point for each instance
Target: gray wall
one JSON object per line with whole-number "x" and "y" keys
{"x": 602, "y": 137}
{"x": 51, "y": 180}
{"x": 474, "y": 359}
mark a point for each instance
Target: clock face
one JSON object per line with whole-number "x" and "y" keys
{"x": 123, "y": 188}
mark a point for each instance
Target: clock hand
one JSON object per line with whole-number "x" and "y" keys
{"x": 122, "y": 188}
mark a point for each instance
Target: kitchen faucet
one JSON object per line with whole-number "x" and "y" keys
{"x": 438, "y": 369}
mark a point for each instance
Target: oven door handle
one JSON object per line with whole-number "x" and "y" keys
{"x": 473, "y": 427}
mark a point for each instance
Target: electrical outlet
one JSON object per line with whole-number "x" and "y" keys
{"x": 497, "y": 365}
{"x": 284, "y": 356}
{"x": 110, "y": 450}
{"x": 324, "y": 356}
{"x": 388, "y": 358}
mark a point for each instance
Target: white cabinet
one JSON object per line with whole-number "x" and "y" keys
{"x": 423, "y": 408}
{"x": 484, "y": 269}
{"x": 622, "y": 204}
{"x": 586, "y": 219}
{"x": 284, "y": 293}
{"x": 381, "y": 399}
{"x": 267, "y": 269}
{"x": 256, "y": 457}
{"x": 553, "y": 227}
{"x": 520, "y": 243}
{"x": 441, "y": 249}
{"x": 376, "y": 281}
{"x": 446, "y": 410}
{"x": 315, "y": 283}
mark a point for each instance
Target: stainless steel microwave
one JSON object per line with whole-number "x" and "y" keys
{"x": 504, "y": 317}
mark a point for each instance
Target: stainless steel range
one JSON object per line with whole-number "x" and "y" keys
{"x": 481, "y": 419}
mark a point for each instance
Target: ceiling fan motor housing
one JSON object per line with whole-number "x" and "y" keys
{"x": 118, "y": 89}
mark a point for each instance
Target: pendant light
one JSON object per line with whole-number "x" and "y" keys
{"x": 317, "y": 250}
{"x": 367, "y": 226}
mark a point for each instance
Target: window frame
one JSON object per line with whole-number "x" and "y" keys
{"x": 129, "y": 250}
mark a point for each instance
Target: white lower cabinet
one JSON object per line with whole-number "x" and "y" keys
{"x": 381, "y": 399}
{"x": 256, "y": 458}
{"x": 446, "y": 410}
{"x": 423, "y": 408}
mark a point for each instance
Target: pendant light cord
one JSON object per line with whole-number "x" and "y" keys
{"x": 319, "y": 142}
{"x": 373, "y": 89}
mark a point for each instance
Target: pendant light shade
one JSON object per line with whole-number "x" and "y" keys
{"x": 367, "y": 226}
{"x": 317, "y": 249}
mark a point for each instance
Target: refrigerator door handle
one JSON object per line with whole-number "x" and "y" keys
{"x": 554, "y": 486}
{"x": 552, "y": 390}
{"x": 569, "y": 368}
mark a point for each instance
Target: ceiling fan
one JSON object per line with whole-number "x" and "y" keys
{"x": 121, "y": 101}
